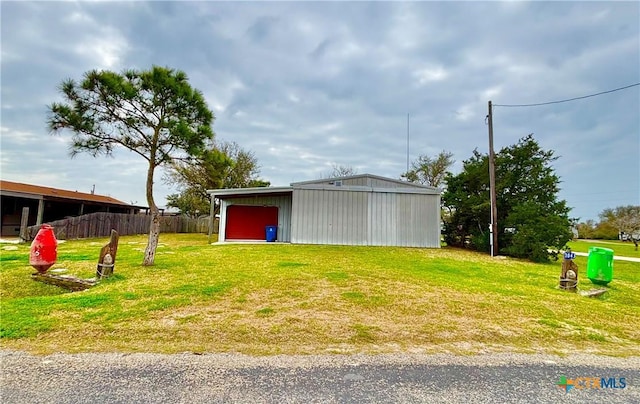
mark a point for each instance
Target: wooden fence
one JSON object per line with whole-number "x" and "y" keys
{"x": 100, "y": 224}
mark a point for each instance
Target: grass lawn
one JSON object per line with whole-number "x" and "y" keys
{"x": 292, "y": 299}
{"x": 620, "y": 248}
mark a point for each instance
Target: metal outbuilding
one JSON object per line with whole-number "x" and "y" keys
{"x": 356, "y": 210}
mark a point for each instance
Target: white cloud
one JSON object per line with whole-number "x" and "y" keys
{"x": 427, "y": 75}
{"x": 105, "y": 51}
{"x": 465, "y": 112}
{"x": 491, "y": 93}
{"x": 408, "y": 28}
{"x": 336, "y": 140}
{"x": 78, "y": 17}
{"x": 294, "y": 98}
{"x": 266, "y": 125}
{"x": 325, "y": 128}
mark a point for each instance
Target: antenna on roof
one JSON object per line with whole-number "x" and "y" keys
{"x": 93, "y": 189}
{"x": 407, "y": 142}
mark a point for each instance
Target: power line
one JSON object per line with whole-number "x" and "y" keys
{"x": 567, "y": 100}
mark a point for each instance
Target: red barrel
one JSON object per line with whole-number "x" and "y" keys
{"x": 44, "y": 249}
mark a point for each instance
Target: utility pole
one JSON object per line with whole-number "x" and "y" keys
{"x": 493, "y": 229}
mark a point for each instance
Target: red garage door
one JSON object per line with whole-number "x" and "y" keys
{"x": 249, "y": 222}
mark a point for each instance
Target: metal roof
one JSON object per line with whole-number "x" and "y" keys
{"x": 35, "y": 191}
{"x": 404, "y": 184}
{"x": 231, "y": 192}
{"x": 365, "y": 188}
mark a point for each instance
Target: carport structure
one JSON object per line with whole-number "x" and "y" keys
{"x": 356, "y": 210}
{"x": 47, "y": 204}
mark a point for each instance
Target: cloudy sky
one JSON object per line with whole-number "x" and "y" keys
{"x": 308, "y": 85}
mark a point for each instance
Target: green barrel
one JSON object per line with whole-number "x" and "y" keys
{"x": 600, "y": 265}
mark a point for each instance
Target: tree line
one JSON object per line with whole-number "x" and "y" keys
{"x": 619, "y": 223}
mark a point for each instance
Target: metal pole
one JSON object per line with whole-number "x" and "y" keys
{"x": 211, "y": 218}
{"x": 492, "y": 188}
{"x": 407, "y": 143}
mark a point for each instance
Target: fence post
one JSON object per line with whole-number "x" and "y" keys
{"x": 24, "y": 221}
{"x": 107, "y": 259}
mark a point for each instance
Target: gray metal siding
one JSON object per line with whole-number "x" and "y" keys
{"x": 383, "y": 218}
{"x": 365, "y": 218}
{"x": 378, "y": 183}
{"x": 329, "y": 217}
{"x": 427, "y": 220}
{"x": 284, "y": 212}
{"x": 360, "y": 181}
{"x": 405, "y": 220}
{"x": 409, "y": 228}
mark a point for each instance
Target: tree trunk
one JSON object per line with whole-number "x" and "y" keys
{"x": 154, "y": 235}
{"x": 65, "y": 281}
{"x": 154, "y": 227}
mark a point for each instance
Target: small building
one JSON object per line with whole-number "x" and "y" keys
{"x": 355, "y": 210}
{"x": 48, "y": 204}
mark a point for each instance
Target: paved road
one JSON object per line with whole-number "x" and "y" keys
{"x": 231, "y": 378}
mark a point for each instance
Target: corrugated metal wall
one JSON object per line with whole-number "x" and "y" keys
{"x": 355, "y": 217}
{"x": 284, "y": 212}
{"x": 329, "y": 217}
{"x": 418, "y": 220}
{"x": 359, "y": 181}
{"x": 406, "y": 220}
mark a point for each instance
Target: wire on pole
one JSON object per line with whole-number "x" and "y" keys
{"x": 567, "y": 100}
